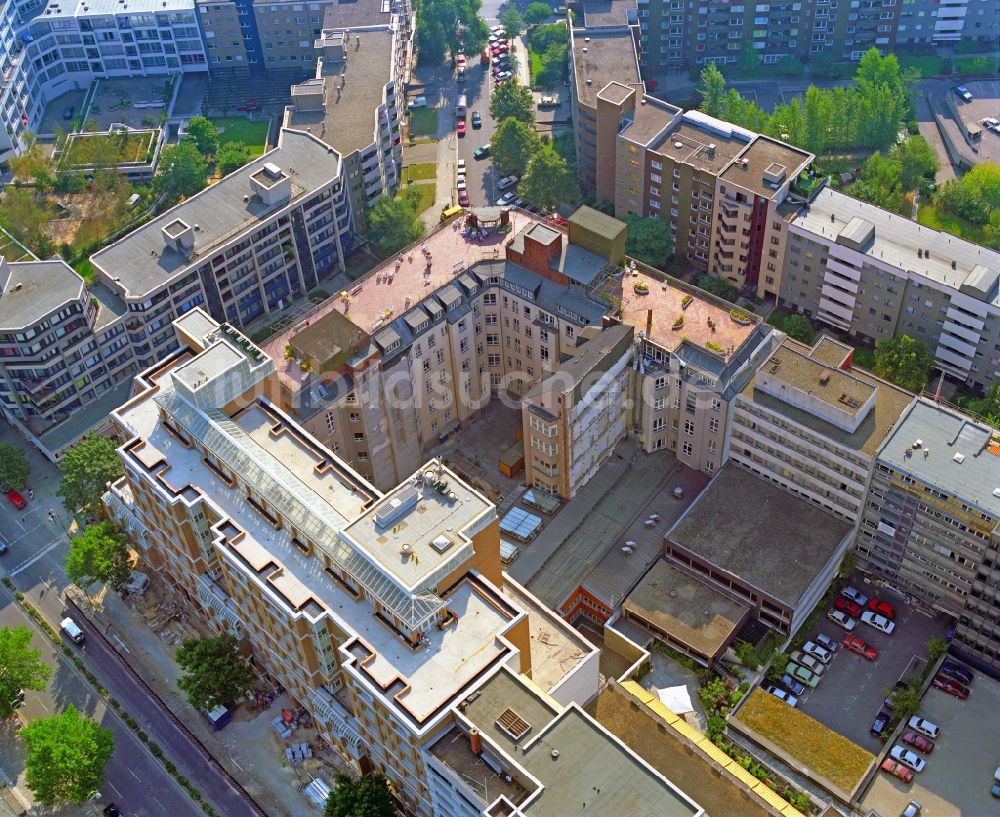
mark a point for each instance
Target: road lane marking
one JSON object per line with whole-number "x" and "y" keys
{"x": 237, "y": 765}
{"x": 112, "y": 785}
{"x": 29, "y": 562}
{"x": 135, "y": 775}
{"x": 120, "y": 643}
{"x": 162, "y": 808}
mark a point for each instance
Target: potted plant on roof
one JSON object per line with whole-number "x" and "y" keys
{"x": 641, "y": 288}
{"x": 739, "y": 317}
{"x": 678, "y": 323}
{"x": 686, "y": 301}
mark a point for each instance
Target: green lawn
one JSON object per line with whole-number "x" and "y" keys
{"x": 240, "y": 129}
{"x": 106, "y": 148}
{"x": 929, "y": 65}
{"x": 423, "y": 122}
{"x": 864, "y": 358}
{"x": 534, "y": 66}
{"x": 85, "y": 268}
{"x": 930, "y": 215}
{"x": 428, "y": 192}
{"x": 425, "y": 170}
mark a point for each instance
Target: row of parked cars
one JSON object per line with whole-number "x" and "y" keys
{"x": 498, "y": 55}
{"x": 852, "y": 606}
{"x": 804, "y": 669}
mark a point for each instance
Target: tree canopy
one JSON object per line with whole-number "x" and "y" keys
{"x": 512, "y": 21}
{"x": 182, "y": 171}
{"x": 548, "y": 181}
{"x": 448, "y": 26}
{"x": 798, "y": 328}
{"x": 86, "y": 468}
{"x": 14, "y": 467}
{"x": 204, "y": 134}
{"x": 975, "y": 196}
{"x": 101, "y": 554}
{"x": 232, "y": 156}
{"x": 649, "y": 240}
{"x": 904, "y": 361}
{"x": 393, "y": 224}
{"x": 512, "y": 101}
{"x": 513, "y": 145}
{"x": 537, "y": 13}
{"x": 367, "y": 796}
{"x": 712, "y": 89}
{"x": 66, "y": 756}
{"x": 216, "y": 671}
{"x": 20, "y": 667}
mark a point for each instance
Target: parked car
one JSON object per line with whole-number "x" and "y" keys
{"x": 921, "y": 743}
{"x": 816, "y": 651}
{"x": 461, "y": 74}
{"x": 955, "y": 670}
{"x": 926, "y": 727}
{"x": 460, "y": 183}
{"x": 111, "y": 810}
{"x": 460, "y": 167}
{"x": 883, "y": 608}
{"x": 792, "y": 685}
{"x": 808, "y": 661}
{"x": 912, "y": 809}
{"x": 507, "y": 198}
{"x": 841, "y": 619}
{"x": 3, "y": 546}
{"x": 68, "y": 112}
{"x": 806, "y": 676}
{"x": 503, "y": 76}
{"x": 463, "y": 198}
{"x": 16, "y": 499}
{"x": 908, "y": 757}
{"x": 880, "y": 723}
{"x": 782, "y": 695}
{"x": 460, "y": 127}
{"x": 547, "y": 102}
{"x": 899, "y": 685}
{"x": 481, "y": 152}
{"x": 418, "y": 102}
{"x": 477, "y": 119}
{"x": 508, "y": 181}
{"x": 845, "y": 605}
{"x": 857, "y": 644}
{"x": 991, "y": 124}
{"x": 249, "y": 106}
{"x": 951, "y": 686}
{"x": 826, "y": 642}
{"x": 855, "y": 595}
{"x": 878, "y": 622}
{"x": 963, "y": 93}
{"x": 897, "y": 770}
{"x": 72, "y": 630}
{"x": 484, "y": 58}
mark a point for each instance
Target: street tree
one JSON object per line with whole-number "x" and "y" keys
{"x": 367, "y": 796}
{"x": 537, "y": 13}
{"x": 21, "y": 668}
{"x": 798, "y": 328}
{"x": 512, "y": 22}
{"x": 101, "y": 554}
{"x": 448, "y": 26}
{"x": 66, "y": 757}
{"x": 217, "y": 673}
{"x": 512, "y": 101}
{"x": 182, "y": 171}
{"x": 86, "y": 468}
{"x": 204, "y": 134}
{"x": 904, "y": 361}
{"x": 232, "y": 156}
{"x": 513, "y": 145}
{"x": 712, "y": 89}
{"x": 649, "y": 240}
{"x": 14, "y": 467}
{"x": 548, "y": 181}
{"x": 393, "y": 224}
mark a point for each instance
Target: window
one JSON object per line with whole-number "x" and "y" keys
{"x": 713, "y": 424}
{"x": 687, "y": 449}
{"x": 355, "y": 417}
{"x": 440, "y": 356}
{"x": 359, "y": 436}
{"x": 494, "y": 360}
{"x": 660, "y": 383}
{"x": 689, "y": 428}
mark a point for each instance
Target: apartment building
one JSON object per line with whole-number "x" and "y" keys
{"x": 930, "y": 523}
{"x": 573, "y": 418}
{"x": 925, "y": 22}
{"x": 353, "y": 104}
{"x": 875, "y": 275}
{"x": 811, "y": 422}
{"x": 386, "y": 615}
{"x": 66, "y": 352}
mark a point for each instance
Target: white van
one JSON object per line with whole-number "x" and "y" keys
{"x": 72, "y": 630}
{"x": 508, "y": 552}
{"x": 461, "y": 107}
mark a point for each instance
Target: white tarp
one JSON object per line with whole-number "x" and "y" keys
{"x": 676, "y": 699}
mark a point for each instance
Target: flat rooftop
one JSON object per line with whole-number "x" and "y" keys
{"x": 650, "y": 119}
{"x": 761, "y": 155}
{"x": 890, "y": 403}
{"x": 763, "y": 535}
{"x": 957, "y": 455}
{"x": 101, "y": 8}
{"x": 802, "y": 372}
{"x": 685, "y": 608}
{"x": 600, "y": 55}
{"x": 897, "y": 239}
{"x": 34, "y": 290}
{"x": 598, "y": 13}
{"x": 354, "y": 14}
{"x": 706, "y": 321}
{"x": 140, "y": 262}
{"x": 689, "y": 142}
{"x": 348, "y": 120}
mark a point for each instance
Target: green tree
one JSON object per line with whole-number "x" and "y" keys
{"x": 24, "y": 219}
{"x": 548, "y": 181}
{"x": 799, "y": 328}
{"x": 747, "y": 656}
{"x": 367, "y": 796}
{"x": 20, "y": 668}
{"x": 905, "y": 702}
{"x": 204, "y": 135}
{"x": 916, "y": 161}
{"x": 66, "y": 756}
{"x": 880, "y": 182}
{"x": 512, "y": 147}
{"x": 790, "y": 67}
{"x": 553, "y": 65}
{"x": 744, "y": 112}
{"x": 14, "y": 468}
{"x": 512, "y": 21}
{"x": 712, "y": 90}
{"x": 232, "y": 156}
{"x": 101, "y": 554}
{"x": 777, "y": 667}
{"x": 649, "y": 240}
{"x": 512, "y": 101}
{"x": 903, "y": 361}
{"x": 990, "y": 408}
{"x": 182, "y": 171}
{"x": 448, "y": 26}
{"x": 717, "y": 287}
{"x": 936, "y": 647}
{"x": 86, "y": 469}
{"x": 217, "y": 673}
{"x": 537, "y": 13}
{"x": 393, "y": 224}
{"x": 874, "y": 69}
{"x": 749, "y": 59}
{"x": 32, "y": 164}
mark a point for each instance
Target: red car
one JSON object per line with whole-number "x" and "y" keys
{"x": 249, "y": 105}
{"x": 883, "y": 608}
{"x": 921, "y": 743}
{"x": 16, "y": 499}
{"x": 853, "y": 609}
{"x": 463, "y": 198}
{"x": 960, "y": 691}
{"x": 460, "y": 127}
{"x": 856, "y": 643}
{"x": 897, "y": 770}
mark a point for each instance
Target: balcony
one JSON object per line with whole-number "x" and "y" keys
{"x": 326, "y": 708}
{"x": 215, "y": 599}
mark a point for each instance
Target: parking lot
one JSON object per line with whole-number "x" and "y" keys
{"x": 852, "y": 690}
{"x": 985, "y": 103}
{"x": 956, "y": 781}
